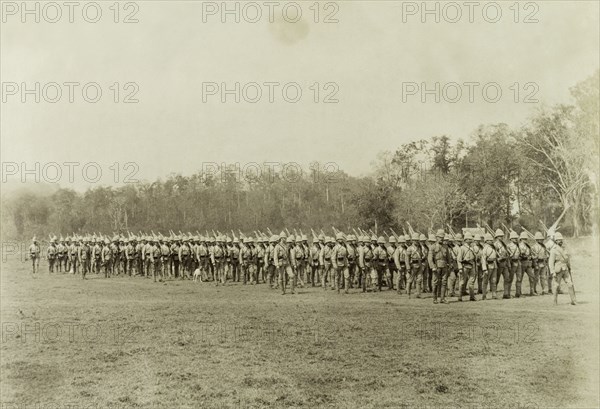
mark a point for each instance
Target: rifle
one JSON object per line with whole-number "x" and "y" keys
{"x": 394, "y": 233}
{"x": 531, "y": 236}
{"x": 269, "y": 231}
{"x": 287, "y": 231}
{"x": 313, "y": 234}
{"x": 410, "y": 229}
{"x": 355, "y": 233}
{"x": 451, "y": 231}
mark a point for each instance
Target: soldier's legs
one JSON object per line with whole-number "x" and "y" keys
{"x": 444, "y": 279}
{"x": 84, "y": 268}
{"x": 425, "y": 276}
{"x": 560, "y": 276}
{"x": 75, "y": 266}
{"x": 518, "y": 274}
{"x": 51, "y": 265}
{"x": 452, "y": 278}
{"x": 337, "y": 272}
{"x": 543, "y": 276}
{"x": 470, "y": 274}
{"x": 532, "y": 275}
{"x": 389, "y": 276}
{"x": 436, "y": 284}
{"x": 503, "y": 271}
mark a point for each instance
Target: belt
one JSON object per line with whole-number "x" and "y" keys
{"x": 469, "y": 263}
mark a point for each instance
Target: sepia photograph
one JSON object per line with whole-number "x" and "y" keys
{"x": 377, "y": 204}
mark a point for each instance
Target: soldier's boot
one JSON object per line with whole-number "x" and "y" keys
{"x": 293, "y": 285}
{"x": 323, "y": 282}
{"x": 443, "y": 295}
{"x": 337, "y": 283}
{"x": 472, "y": 294}
{"x": 517, "y": 289}
{"x": 506, "y": 294}
{"x": 282, "y": 283}
{"x": 572, "y": 294}
{"x": 555, "y": 297}
{"x": 347, "y": 281}
{"x": 409, "y": 288}
{"x": 418, "y": 290}
{"x": 363, "y": 280}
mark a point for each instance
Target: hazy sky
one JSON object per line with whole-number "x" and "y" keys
{"x": 370, "y": 56}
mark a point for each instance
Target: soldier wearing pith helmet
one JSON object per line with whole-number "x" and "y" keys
{"x": 539, "y": 255}
{"x": 489, "y": 259}
{"x": 560, "y": 268}
{"x": 504, "y": 264}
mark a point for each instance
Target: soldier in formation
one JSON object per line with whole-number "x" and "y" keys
{"x": 445, "y": 264}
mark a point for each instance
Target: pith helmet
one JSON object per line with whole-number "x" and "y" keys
{"x": 440, "y": 233}
{"x": 328, "y": 239}
{"x": 524, "y": 236}
{"x": 538, "y": 236}
{"x": 499, "y": 233}
{"x": 374, "y": 238}
{"x": 468, "y": 236}
{"x": 415, "y": 237}
{"x": 431, "y": 237}
{"x": 422, "y": 237}
{"x": 381, "y": 240}
{"x": 392, "y": 239}
{"x": 558, "y": 236}
{"x": 321, "y": 237}
{"x": 282, "y": 235}
{"x": 402, "y": 239}
{"x": 458, "y": 237}
{"x": 488, "y": 237}
{"x": 514, "y": 235}
{"x": 290, "y": 239}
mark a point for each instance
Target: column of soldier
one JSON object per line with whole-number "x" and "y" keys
{"x": 443, "y": 264}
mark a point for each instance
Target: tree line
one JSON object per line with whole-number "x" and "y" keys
{"x": 515, "y": 176}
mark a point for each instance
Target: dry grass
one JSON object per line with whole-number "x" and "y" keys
{"x": 130, "y": 343}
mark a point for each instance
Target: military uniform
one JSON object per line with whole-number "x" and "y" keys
{"x": 412, "y": 259}
{"x": 527, "y": 262}
{"x": 34, "y": 254}
{"x": 400, "y": 262}
{"x": 515, "y": 262}
{"x": 339, "y": 262}
{"x": 281, "y": 259}
{"x": 467, "y": 268}
{"x": 51, "y": 256}
{"x": 438, "y": 259}
{"x": 84, "y": 258}
{"x": 325, "y": 262}
{"x": 540, "y": 255}
{"x": 504, "y": 265}
{"x": 380, "y": 255}
{"x": 489, "y": 266}
{"x": 560, "y": 268}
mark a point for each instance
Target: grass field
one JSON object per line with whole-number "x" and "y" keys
{"x": 131, "y": 343}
